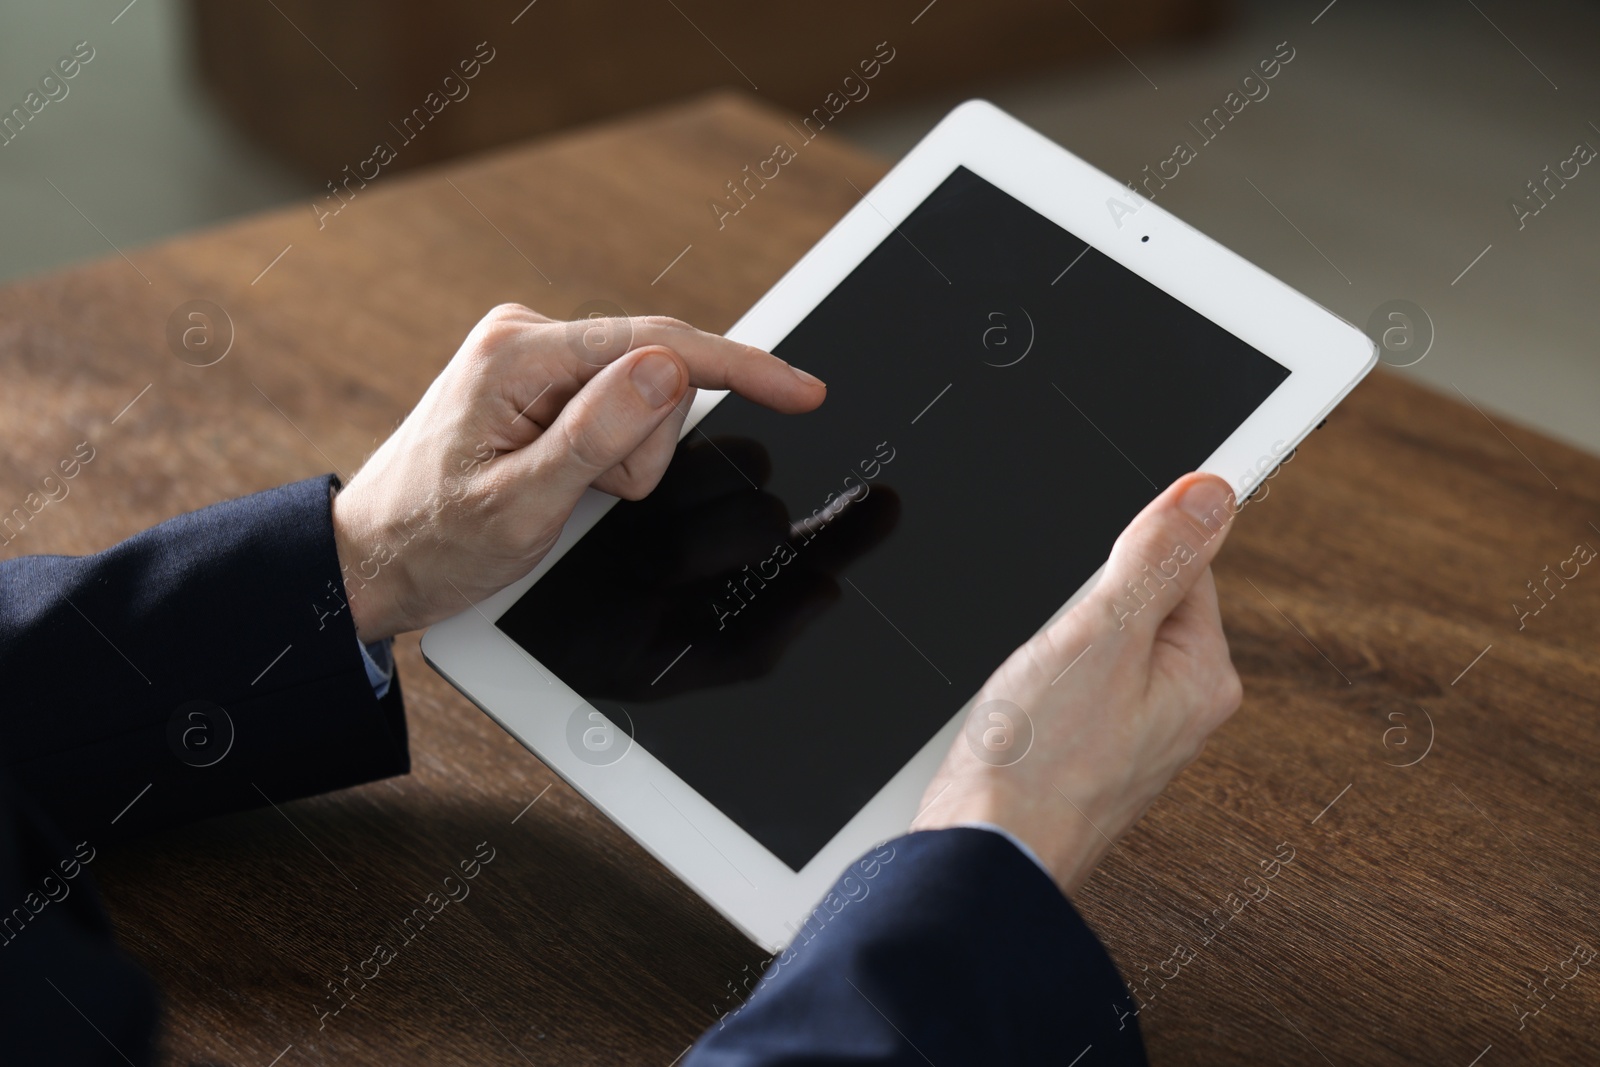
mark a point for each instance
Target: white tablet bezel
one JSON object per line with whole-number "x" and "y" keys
{"x": 1326, "y": 357}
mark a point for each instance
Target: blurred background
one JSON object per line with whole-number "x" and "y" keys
{"x": 1381, "y": 165}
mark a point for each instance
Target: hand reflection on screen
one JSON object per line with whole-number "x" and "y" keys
{"x": 709, "y": 562}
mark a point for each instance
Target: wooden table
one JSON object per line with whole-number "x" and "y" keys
{"x": 1368, "y": 597}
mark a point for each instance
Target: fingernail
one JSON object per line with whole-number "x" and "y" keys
{"x": 657, "y": 377}
{"x": 809, "y": 379}
{"x": 1205, "y": 498}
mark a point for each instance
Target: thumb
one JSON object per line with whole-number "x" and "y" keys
{"x": 1164, "y": 551}
{"x": 605, "y": 421}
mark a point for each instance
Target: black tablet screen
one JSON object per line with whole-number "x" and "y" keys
{"x": 806, "y": 599}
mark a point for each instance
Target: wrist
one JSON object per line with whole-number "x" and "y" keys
{"x": 372, "y": 576}
{"x": 1064, "y": 840}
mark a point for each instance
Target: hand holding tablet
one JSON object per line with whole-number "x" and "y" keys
{"x": 1119, "y": 694}
{"x": 759, "y": 674}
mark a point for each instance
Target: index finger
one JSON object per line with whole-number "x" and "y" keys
{"x": 716, "y": 362}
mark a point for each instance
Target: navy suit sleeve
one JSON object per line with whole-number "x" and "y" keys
{"x": 234, "y": 612}
{"x": 948, "y": 947}
{"x": 68, "y": 994}
{"x": 114, "y": 667}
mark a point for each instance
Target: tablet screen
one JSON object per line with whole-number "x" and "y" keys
{"x": 806, "y": 599}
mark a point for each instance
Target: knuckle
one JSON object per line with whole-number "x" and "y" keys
{"x": 488, "y": 485}
{"x": 1047, "y": 644}
{"x": 1039, "y": 654}
{"x": 629, "y": 484}
{"x": 1229, "y": 692}
{"x": 499, "y": 330}
{"x": 584, "y": 437}
{"x": 666, "y": 322}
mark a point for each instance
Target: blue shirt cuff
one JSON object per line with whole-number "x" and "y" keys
{"x": 379, "y": 660}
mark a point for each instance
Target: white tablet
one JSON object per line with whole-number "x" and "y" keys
{"x": 756, "y": 670}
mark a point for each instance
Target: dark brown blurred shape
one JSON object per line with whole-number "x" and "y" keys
{"x": 320, "y": 84}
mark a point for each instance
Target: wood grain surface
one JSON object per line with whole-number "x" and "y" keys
{"x": 1368, "y": 598}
